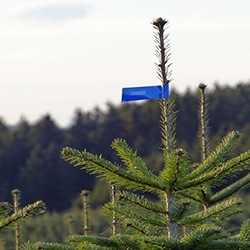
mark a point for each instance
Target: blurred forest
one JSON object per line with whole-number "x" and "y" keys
{"x": 30, "y": 153}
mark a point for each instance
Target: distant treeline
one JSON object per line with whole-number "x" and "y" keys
{"x": 30, "y": 154}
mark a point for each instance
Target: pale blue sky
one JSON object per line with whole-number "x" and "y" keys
{"x": 56, "y": 56}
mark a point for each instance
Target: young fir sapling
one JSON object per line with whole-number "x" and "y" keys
{"x": 185, "y": 213}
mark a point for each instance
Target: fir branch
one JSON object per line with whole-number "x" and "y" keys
{"x": 218, "y": 173}
{"x": 132, "y": 215}
{"x": 109, "y": 171}
{"x": 138, "y": 229}
{"x": 245, "y": 231}
{"x": 22, "y": 214}
{"x": 215, "y": 167}
{"x": 192, "y": 194}
{"x": 128, "y": 213}
{"x": 133, "y": 162}
{"x": 182, "y": 208}
{"x": 100, "y": 241}
{"x": 227, "y": 243}
{"x": 5, "y": 209}
{"x": 203, "y": 238}
{"x": 141, "y": 201}
{"x": 163, "y": 242}
{"x": 114, "y": 242}
{"x": 143, "y": 228}
{"x": 233, "y": 166}
{"x": 198, "y": 193}
{"x": 177, "y": 167}
{"x": 199, "y": 238}
{"x": 231, "y": 189}
{"x": 216, "y": 213}
{"x": 47, "y": 246}
{"x": 128, "y": 242}
{"x": 218, "y": 156}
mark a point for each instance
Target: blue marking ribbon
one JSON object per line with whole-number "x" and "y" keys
{"x": 145, "y": 93}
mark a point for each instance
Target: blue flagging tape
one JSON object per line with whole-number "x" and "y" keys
{"x": 145, "y": 93}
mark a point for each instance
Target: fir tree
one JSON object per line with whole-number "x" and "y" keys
{"x": 176, "y": 208}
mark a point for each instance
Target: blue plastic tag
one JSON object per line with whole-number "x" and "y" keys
{"x": 145, "y": 93}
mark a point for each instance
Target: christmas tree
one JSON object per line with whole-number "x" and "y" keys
{"x": 177, "y": 208}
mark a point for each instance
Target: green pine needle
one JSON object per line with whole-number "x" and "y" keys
{"x": 109, "y": 171}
